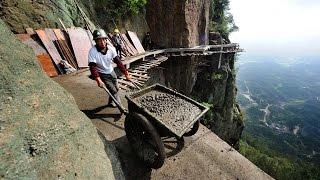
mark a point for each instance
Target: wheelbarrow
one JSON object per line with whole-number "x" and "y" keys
{"x": 154, "y": 112}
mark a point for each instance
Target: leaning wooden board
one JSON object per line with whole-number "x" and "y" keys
{"x": 53, "y": 52}
{"x": 42, "y": 55}
{"x": 132, "y": 49}
{"x": 65, "y": 46}
{"x": 81, "y": 44}
{"x": 136, "y": 42}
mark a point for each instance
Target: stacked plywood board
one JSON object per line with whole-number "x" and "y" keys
{"x": 136, "y": 42}
{"x": 55, "y": 47}
{"x": 81, "y": 44}
{"x": 131, "y": 45}
{"x": 41, "y": 54}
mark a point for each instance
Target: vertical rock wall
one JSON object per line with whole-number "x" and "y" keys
{"x": 178, "y": 23}
{"x": 42, "y": 14}
{"x": 37, "y": 14}
{"x": 43, "y": 135}
{"x": 197, "y": 19}
{"x": 216, "y": 86}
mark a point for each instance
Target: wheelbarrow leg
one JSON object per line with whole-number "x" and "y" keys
{"x": 193, "y": 130}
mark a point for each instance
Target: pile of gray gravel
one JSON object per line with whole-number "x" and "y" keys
{"x": 172, "y": 110}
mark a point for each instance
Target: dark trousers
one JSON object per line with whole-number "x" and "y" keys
{"x": 119, "y": 50}
{"x": 110, "y": 80}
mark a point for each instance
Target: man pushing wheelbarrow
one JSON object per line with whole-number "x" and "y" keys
{"x": 100, "y": 62}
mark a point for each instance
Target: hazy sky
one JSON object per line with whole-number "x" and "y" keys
{"x": 278, "y": 27}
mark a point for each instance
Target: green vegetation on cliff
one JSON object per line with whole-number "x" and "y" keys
{"x": 276, "y": 164}
{"x": 221, "y": 19}
{"x": 20, "y": 15}
{"x": 121, "y": 8}
{"x": 282, "y": 134}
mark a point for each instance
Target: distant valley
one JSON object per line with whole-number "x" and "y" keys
{"x": 281, "y": 103}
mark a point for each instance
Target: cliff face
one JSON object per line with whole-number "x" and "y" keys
{"x": 172, "y": 24}
{"x": 37, "y": 14}
{"x": 178, "y": 23}
{"x": 43, "y": 135}
{"x": 185, "y": 24}
{"x": 216, "y": 87}
{"x": 40, "y": 14}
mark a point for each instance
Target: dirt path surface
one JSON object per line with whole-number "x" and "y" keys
{"x": 202, "y": 156}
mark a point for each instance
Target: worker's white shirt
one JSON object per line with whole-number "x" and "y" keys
{"x": 104, "y": 62}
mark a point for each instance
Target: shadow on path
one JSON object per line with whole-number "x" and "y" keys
{"x": 131, "y": 166}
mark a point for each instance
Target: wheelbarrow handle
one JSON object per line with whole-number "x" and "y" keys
{"x": 122, "y": 109}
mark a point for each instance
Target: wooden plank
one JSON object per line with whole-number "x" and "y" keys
{"x": 28, "y": 40}
{"x": 59, "y": 34}
{"x": 126, "y": 47}
{"x": 134, "y": 79}
{"x": 53, "y": 52}
{"x": 162, "y": 58}
{"x": 142, "y": 67}
{"x": 81, "y": 44}
{"x": 62, "y": 44}
{"x": 136, "y": 42}
{"x": 138, "y": 81}
{"x": 140, "y": 75}
{"x": 145, "y": 66}
{"x": 124, "y": 87}
{"x": 41, "y": 54}
{"x": 50, "y": 34}
{"x": 46, "y": 64}
{"x": 151, "y": 63}
{"x": 138, "y": 71}
{"x": 132, "y": 48}
{"x": 65, "y": 46}
{"x": 126, "y": 83}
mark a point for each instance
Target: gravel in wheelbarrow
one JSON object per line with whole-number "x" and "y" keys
{"x": 174, "y": 110}
{"x": 157, "y": 111}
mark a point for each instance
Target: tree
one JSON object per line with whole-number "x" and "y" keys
{"x": 221, "y": 20}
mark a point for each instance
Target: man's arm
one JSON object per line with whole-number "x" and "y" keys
{"x": 95, "y": 73}
{"x": 121, "y": 67}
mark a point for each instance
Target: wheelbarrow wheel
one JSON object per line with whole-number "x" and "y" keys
{"x": 144, "y": 140}
{"x": 193, "y": 130}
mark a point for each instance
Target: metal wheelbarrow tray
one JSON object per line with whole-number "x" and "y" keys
{"x": 157, "y": 111}
{"x": 169, "y": 111}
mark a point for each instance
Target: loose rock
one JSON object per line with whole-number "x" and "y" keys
{"x": 172, "y": 110}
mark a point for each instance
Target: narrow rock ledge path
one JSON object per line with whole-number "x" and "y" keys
{"x": 202, "y": 156}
